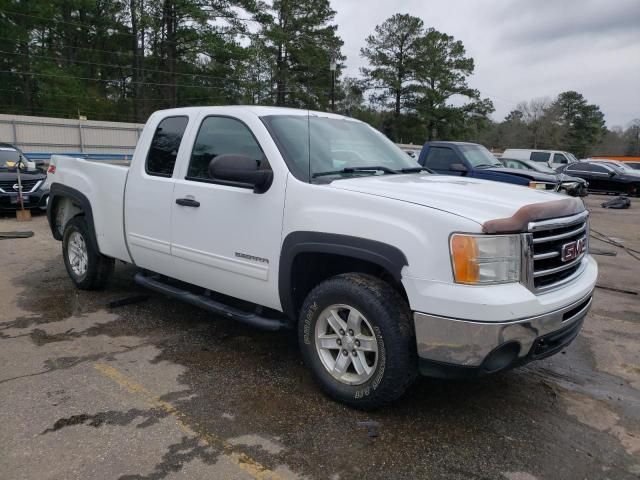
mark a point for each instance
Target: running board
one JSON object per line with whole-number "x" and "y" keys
{"x": 207, "y": 303}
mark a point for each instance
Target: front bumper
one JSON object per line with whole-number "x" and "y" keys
{"x": 450, "y": 347}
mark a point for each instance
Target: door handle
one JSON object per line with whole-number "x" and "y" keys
{"x": 187, "y": 202}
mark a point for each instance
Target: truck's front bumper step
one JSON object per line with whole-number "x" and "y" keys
{"x": 207, "y": 303}
{"x": 454, "y": 348}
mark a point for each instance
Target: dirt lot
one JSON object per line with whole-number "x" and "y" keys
{"x": 159, "y": 389}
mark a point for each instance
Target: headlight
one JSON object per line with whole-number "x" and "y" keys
{"x": 485, "y": 259}
{"x": 538, "y": 185}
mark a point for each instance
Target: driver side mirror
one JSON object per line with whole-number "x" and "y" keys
{"x": 612, "y": 173}
{"x": 457, "y": 167}
{"x": 240, "y": 171}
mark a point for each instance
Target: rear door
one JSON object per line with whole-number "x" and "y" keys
{"x": 226, "y": 238}
{"x": 149, "y": 194}
{"x": 542, "y": 157}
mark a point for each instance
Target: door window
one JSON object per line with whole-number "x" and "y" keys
{"x": 218, "y": 136}
{"x": 440, "y": 158}
{"x": 540, "y": 156}
{"x": 559, "y": 158}
{"x": 165, "y": 145}
{"x": 597, "y": 168}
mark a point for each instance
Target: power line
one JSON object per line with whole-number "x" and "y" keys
{"x": 107, "y": 80}
{"x": 93, "y": 27}
{"x": 111, "y": 65}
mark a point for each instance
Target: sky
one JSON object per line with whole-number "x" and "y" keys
{"x": 525, "y": 49}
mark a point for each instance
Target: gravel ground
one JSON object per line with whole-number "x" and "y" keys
{"x": 158, "y": 389}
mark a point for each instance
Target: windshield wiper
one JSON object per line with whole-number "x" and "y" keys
{"x": 415, "y": 170}
{"x": 354, "y": 170}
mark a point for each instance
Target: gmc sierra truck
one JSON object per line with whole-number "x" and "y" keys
{"x": 284, "y": 218}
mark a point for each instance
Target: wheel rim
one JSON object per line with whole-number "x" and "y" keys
{"x": 77, "y": 254}
{"x": 346, "y": 344}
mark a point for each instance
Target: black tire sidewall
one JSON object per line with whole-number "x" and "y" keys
{"x": 79, "y": 225}
{"x": 395, "y": 360}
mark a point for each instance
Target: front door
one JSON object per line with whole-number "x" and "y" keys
{"x": 440, "y": 159}
{"x": 227, "y": 238}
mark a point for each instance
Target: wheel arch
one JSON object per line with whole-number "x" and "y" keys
{"x": 307, "y": 258}
{"x": 77, "y": 204}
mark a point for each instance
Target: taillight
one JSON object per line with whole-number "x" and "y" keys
{"x": 51, "y": 169}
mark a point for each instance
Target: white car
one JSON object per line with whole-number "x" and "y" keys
{"x": 552, "y": 158}
{"x": 385, "y": 270}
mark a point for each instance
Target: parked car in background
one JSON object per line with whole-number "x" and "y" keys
{"x": 635, "y": 165}
{"x": 34, "y": 193}
{"x": 412, "y": 152}
{"x": 475, "y": 161}
{"x": 604, "y": 178}
{"x": 619, "y": 166}
{"x": 552, "y": 158}
{"x": 574, "y": 186}
{"x": 384, "y": 270}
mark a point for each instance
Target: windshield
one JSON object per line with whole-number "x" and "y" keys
{"x": 314, "y": 145}
{"x": 8, "y": 158}
{"x": 479, "y": 156}
{"x": 541, "y": 167}
{"x": 572, "y": 157}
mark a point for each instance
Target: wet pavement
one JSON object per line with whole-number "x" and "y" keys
{"x": 158, "y": 389}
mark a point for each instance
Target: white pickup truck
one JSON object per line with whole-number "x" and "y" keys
{"x": 288, "y": 218}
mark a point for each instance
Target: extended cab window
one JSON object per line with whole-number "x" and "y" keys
{"x": 221, "y": 135}
{"x": 540, "y": 156}
{"x": 559, "y": 158}
{"x": 440, "y": 158}
{"x": 165, "y": 145}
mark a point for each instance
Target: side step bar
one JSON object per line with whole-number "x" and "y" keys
{"x": 209, "y": 304}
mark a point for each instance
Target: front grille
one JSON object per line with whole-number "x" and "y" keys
{"x": 27, "y": 185}
{"x": 546, "y": 241}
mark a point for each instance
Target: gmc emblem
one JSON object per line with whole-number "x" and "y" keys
{"x": 572, "y": 250}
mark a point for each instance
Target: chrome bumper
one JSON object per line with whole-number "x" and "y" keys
{"x": 493, "y": 346}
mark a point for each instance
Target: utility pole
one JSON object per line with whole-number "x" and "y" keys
{"x": 332, "y": 68}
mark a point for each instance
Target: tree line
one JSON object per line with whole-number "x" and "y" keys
{"x": 123, "y": 59}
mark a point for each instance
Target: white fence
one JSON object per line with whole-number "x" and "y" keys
{"x": 39, "y": 137}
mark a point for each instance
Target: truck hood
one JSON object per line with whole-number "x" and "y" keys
{"x": 477, "y": 200}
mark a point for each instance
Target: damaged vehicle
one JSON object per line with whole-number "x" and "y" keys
{"x": 574, "y": 186}
{"x": 283, "y": 218}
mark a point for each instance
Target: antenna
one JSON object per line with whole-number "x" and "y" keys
{"x": 309, "y": 137}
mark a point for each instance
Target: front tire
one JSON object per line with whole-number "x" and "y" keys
{"x": 356, "y": 335}
{"x": 87, "y": 268}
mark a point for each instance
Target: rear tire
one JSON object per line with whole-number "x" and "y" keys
{"x": 377, "y": 342}
{"x": 87, "y": 268}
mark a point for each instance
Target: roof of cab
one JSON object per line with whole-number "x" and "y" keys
{"x": 260, "y": 111}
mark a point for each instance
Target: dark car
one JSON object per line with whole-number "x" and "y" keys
{"x": 34, "y": 195}
{"x": 574, "y": 186}
{"x": 633, "y": 164}
{"x": 473, "y": 160}
{"x": 604, "y": 178}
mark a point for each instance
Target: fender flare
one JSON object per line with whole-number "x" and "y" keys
{"x": 390, "y": 258}
{"x": 58, "y": 191}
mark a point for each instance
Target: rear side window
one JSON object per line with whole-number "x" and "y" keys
{"x": 440, "y": 158}
{"x": 559, "y": 158}
{"x": 220, "y": 135}
{"x": 165, "y": 145}
{"x": 540, "y": 156}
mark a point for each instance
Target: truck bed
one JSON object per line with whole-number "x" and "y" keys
{"x": 103, "y": 184}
